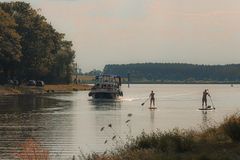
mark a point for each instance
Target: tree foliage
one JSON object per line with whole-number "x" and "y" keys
{"x": 94, "y": 72}
{"x": 10, "y": 48}
{"x": 42, "y": 50}
{"x": 176, "y": 72}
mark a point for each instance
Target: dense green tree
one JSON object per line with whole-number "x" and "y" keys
{"x": 10, "y": 49}
{"x": 44, "y": 50}
{"x": 61, "y": 68}
{"x": 37, "y": 39}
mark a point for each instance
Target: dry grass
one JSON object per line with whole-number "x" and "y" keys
{"x": 86, "y": 78}
{"x": 8, "y": 91}
{"x": 231, "y": 127}
{"x": 31, "y": 150}
{"x": 67, "y": 87}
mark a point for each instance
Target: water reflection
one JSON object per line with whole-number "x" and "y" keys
{"x": 152, "y": 117}
{"x": 105, "y": 104}
{"x": 28, "y": 103}
{"x": 204, "y": 118}
{"x": 24, "y": 117}
{"x": 207, "y": 118}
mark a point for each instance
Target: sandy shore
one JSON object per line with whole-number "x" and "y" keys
{"x": 67, "y": 87}
{"x": 59, "y": 88}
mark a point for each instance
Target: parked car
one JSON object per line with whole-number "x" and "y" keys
{"x": 10, "y": 82}
{"x": 40, "y": 83}
{"x": 16, "y": 82}
{"x": 31, "y": 83}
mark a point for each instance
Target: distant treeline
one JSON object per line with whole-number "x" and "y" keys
{"x": 176, "y": 72}
{"x": 30, "y": 48}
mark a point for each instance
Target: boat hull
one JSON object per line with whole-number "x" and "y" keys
{"x": 104, "y": 95}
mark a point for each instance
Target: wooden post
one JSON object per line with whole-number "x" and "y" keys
{"x": 128, "y": 75}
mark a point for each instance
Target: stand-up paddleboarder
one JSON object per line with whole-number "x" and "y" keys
{"x": 152, "y": 99}
{"x": 204, "y": 98}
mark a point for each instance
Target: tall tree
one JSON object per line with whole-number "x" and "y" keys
{"x": 37, "y": 41}
{"x": 10, "y": 48}
{"x": 63, "y": 60}
{"x": 42, "y": 45}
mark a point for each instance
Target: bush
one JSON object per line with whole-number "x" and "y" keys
{"x": 231, "y": 127}
{"x": 172, "y": 141}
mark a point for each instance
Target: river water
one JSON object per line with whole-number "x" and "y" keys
{"x": 67, "y": 124}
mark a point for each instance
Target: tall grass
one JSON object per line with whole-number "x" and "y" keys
{"x": 231, "y": 127}
{"x": 172, "y": 141}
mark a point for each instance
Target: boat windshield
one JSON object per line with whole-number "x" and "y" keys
{"x": 108, "y": 79}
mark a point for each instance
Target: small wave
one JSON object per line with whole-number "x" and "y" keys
{"x": 104, "y": 100}
{"x": 53, "y": 109}
{"x": 130, "y": 99}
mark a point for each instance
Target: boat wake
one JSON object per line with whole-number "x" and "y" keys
{"x": 105, "y": 100}
{"x": 129, "y": 99}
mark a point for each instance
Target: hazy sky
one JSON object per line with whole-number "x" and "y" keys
{"x": 130, "y": 31}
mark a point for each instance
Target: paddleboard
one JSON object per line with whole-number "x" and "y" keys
{"x": 152, "y": 108}
{"x": 205, "y": 109}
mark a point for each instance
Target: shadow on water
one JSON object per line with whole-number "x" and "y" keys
{"x": 23, "y": 117}
{"x": 29, "y": 103}
{"x": 105, "y": 104}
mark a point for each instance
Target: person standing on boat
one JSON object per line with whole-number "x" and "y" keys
{"x": 152, "y": 99}
{"x": 204, "y": 98}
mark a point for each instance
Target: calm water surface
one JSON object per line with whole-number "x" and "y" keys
{"x": 67, "y": 123}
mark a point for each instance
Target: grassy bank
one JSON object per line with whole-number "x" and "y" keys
{"x": 59, "y": 88}
{"x": 217, "y": 142}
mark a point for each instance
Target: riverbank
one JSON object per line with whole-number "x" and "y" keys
{"x": 58, "y": 88}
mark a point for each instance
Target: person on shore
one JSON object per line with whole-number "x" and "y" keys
{"x": 152, "y": 99}
{"x": 204, "y": 98}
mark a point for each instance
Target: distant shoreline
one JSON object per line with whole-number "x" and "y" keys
{"x": 182, "y": 82}
{"x": 90, "y": 80}
{"x": 64, "y": 88}
{"x": 47, "y": 89}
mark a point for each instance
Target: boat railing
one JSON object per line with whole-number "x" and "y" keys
{"x": 106, "y": 86}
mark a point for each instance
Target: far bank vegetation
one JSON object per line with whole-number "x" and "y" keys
{"x": 176, "y": 72}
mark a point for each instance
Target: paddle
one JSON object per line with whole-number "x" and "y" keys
{"x": 145, "y": 101}
{"x": 211, "y": 102}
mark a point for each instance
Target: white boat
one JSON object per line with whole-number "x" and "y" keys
{"x": 106, "y": 87}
